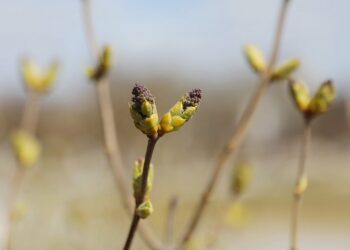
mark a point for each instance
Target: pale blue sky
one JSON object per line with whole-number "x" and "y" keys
{"x": 198, "y": 39}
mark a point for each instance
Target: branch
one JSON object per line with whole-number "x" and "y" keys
{"x": 28, "y": 124}
{"x": 169, "y": 225}
{"x": 301, "y": 174}
{"x": 242, "y": 127}
{"x": 140, "y": 199}
{"x": 110, "y": 135}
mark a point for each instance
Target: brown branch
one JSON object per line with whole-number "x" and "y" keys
{"x": 298, "y": 195}
{"x": 29, "y": 122}
{"x": 110, "y": 135}
{"x": 169, "y": 223}
{"x": 31, "y": 110}
{"x": 242, "y": 127}
{"x": 140, "y": 199}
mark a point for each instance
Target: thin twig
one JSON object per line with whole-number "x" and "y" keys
{"x": 298, "y": 196}
{"x": 241, "y": 129}
{"x": 28, "y": 124}
{"x": 140, "y": 199}
{"x": 110, "y": 135}
{"x": 31, "y": 110}
{"x": 169, "y": 224}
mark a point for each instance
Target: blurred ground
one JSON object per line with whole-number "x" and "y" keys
{"x": 72, "y": 201}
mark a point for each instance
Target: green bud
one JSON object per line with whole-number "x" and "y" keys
{"x": 145, "y": 209}
{"x": 137, "y": 179}
{"x": 103, "y": 66}
{"x": 316, "y": 105}
{"x": 300, "y": 95}
{"x": 323, "y": 98}
{"x": 301, "y": 186}
{"x": 285, "y": 70}
{"x": 143, "y": 110}
{"x": 255, "y": 58}
{"x": 26, "y": 147}
{"x": 37, "y": 80}
{"x": 181, "y": 112}
{"x": 242, "y": 176}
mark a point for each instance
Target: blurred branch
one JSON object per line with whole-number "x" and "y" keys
{"x": 30, "y": 114}
{"x": 110, "y": 135}
{"x": 242, "y": 127}
{"x": 300, "y": 184}
{"x": 169, "y": 223}
{"x": 28, "y": 124}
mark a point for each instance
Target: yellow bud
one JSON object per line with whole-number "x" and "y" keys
{"x": 146, "y": 108}
{"x": 145, "y": 209}
{"x": 285, "y": 70}
{"x": 35, "y": 79}
{"x": 177, "y": 122}
{"x": 165, "y": 123}
{"x": 103, "y": 66}
{"x": 323, "y": 98}
{"x": 300, "y": 94}
{"x": 255, "y": 58}
{"x": 188, "y": 113}
{"x": 177, "y": 109}
{"x": 26, "y": 148}
{"x": 301, "y": 185}
{"x": 137, "y": 179}
{"x": 242, "y": 176}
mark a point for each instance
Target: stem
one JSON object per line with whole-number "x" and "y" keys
{"x": 301, "y": 173}
{"x": 14, "y": 193}
{"x": 31, "y": 110}
{"x": 110, "y": 135}
{"x": 29, "y": 123}
{"x": 169, "y": 225}
{"x": 242, "y": 127}
{"x": 140, "y": 199}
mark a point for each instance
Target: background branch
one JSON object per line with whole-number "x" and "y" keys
{"x": 110, "y": 135}
{"x": 28, "y": 124}
{"x": 241, "y": 129}
{"x": 301, "y": 173}
{"x": 169, "y": 223}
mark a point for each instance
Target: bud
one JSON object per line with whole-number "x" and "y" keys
{"x": 35, "y": 79}
{"x": 323, "y": 98}
{"x": 181, "y": 112}
{"x": 145, "y": 209}
{"x": 19, "y": 211}
{"x": 301, "y": 186}
{"x": 300, "y": 94}
{"x": 242, "y": 176}
{"x": 144, "y": 111}
{"x": 137, "y": 179}
{"x": 103, "y": 66}
{"x": 255, "y": 58}
{"x": 285, "y": 70}
{"x": 316, "y": 105}
{"x": 26, "y": 147}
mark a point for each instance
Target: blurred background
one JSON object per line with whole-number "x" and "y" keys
{"x": 171, "y": 47}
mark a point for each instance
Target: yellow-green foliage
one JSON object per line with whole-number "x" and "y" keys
{"x": 103, "y": 66}
{"x": 285, "y": 70}
{"x": 241, "y": 178}
{"x": 35, "y": 79}
{"x": 137, "y": 179}
{"x": 26, "y": 147}
{"x": 255, "y": 58}
{"x": 315, "y": 105}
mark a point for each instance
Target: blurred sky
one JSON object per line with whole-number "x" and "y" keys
{"x": 201, "y": 40}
